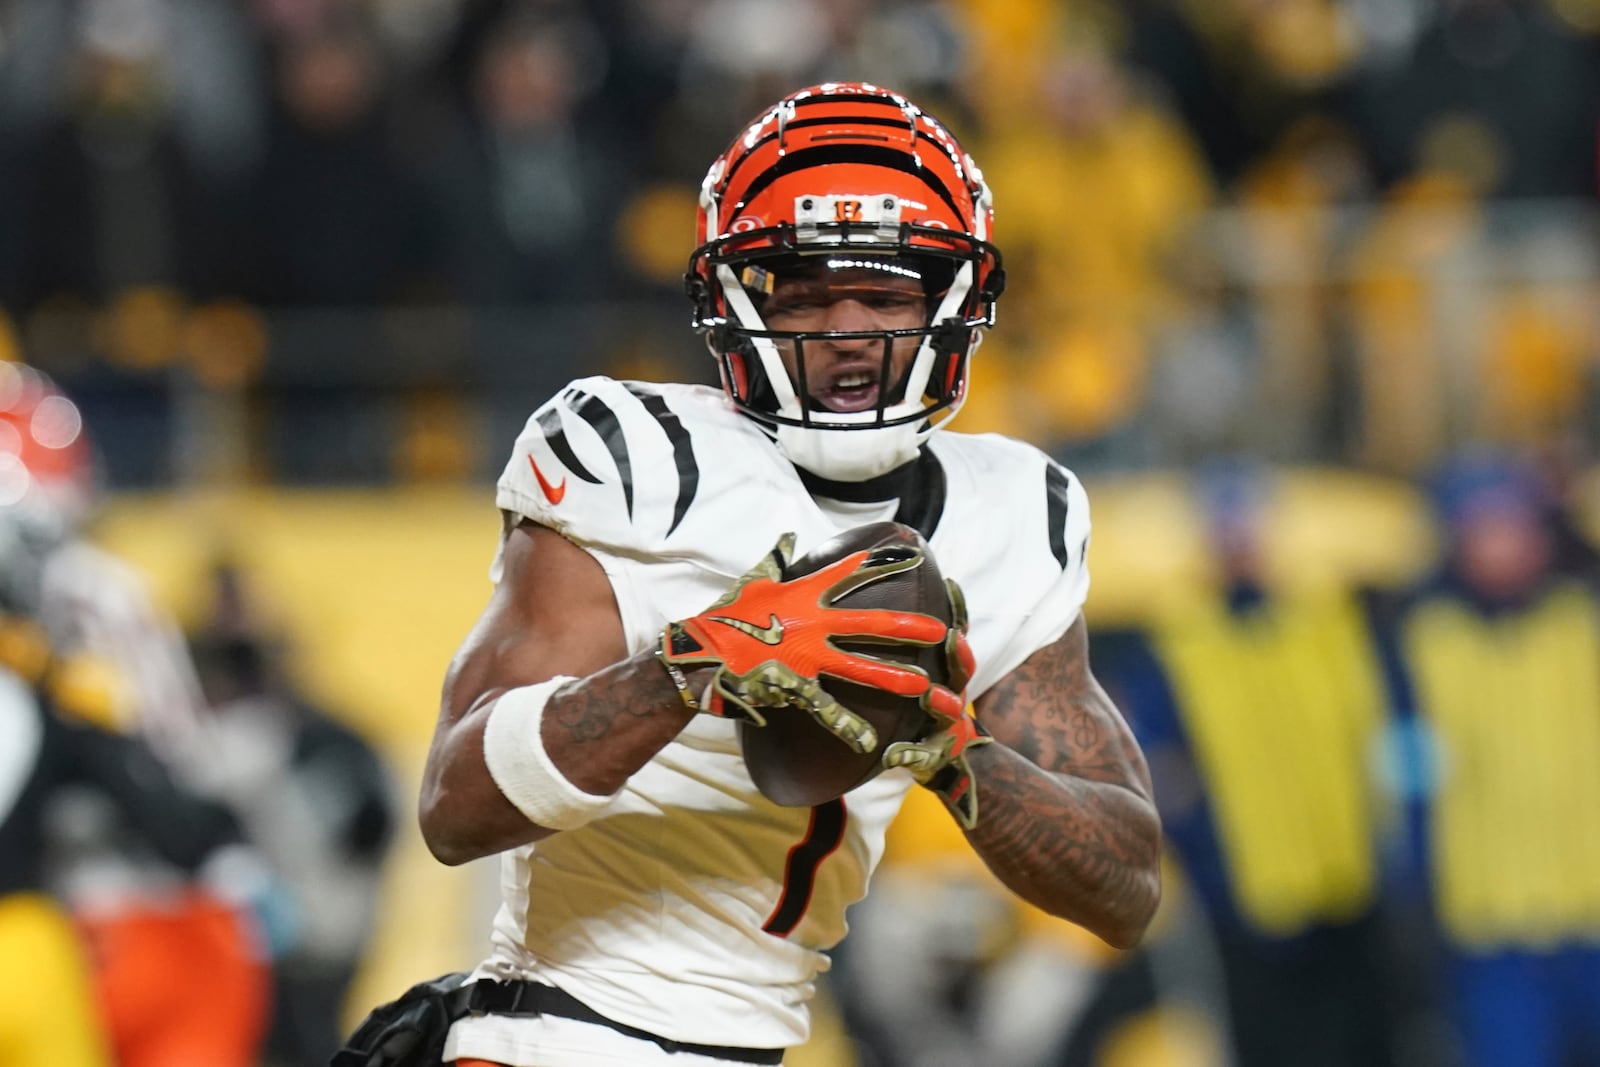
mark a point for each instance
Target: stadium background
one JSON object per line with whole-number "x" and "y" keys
{"x": 307, "y": 264}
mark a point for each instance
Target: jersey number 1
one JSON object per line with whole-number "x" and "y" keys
{"x": 823, "y": 836}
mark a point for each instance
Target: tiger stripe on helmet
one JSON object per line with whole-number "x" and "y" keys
{"x": 794, "y": 160}
{"x": 785, "y": 145}
{"x": 830, "y": 155}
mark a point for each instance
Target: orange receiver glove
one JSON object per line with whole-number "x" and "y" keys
{"x": 771, "y": 638}
{"x": 939, "y": 759}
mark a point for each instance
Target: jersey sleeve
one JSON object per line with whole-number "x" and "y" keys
{"x": 607, "y": 464}
{"x": 1045, "y": 566}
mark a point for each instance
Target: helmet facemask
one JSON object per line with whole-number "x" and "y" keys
{"x": 914, "y": 395}
{"x": 845, "y": 180}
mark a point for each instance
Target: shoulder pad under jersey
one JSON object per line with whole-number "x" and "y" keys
{"x": 606, "y": 463}
{"x": 1016, "y": 532}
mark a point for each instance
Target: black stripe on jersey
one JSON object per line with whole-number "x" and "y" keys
{"x": 889, "y": 158}
{"x": 825, "y": 834}
{"x": 1055, "y": 487}
{"x": 594, "y": 411}
{"x": 682, "y": 451}
{"x": 556, "y": 438}
{"x": 922, "y": 506}
{"x": 918, "y": 485}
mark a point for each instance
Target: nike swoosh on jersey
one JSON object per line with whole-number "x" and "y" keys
{"x": 552, "y": 493}
{"x": 769, "y": 634}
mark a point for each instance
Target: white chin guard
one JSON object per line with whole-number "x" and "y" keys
{"x": 850, "y": 455}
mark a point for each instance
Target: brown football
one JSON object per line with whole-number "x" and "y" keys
{"x": 794, "y": 760}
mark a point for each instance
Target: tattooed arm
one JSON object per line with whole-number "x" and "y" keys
{"x": 1068, "y": 819}
{"x": 552, "y": 613}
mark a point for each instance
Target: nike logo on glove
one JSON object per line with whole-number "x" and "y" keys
{"x": 769, "y": 634}
{"x": 552, "y": 493}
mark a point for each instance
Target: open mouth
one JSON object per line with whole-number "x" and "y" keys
{"x": 848, "y": 390}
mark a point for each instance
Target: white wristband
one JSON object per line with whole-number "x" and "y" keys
{"x": 513, "y": 750}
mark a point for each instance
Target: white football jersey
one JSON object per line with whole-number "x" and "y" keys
{"x": 694, "y": 908}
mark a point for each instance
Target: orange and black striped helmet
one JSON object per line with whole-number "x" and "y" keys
{"x": 845, "y": 174}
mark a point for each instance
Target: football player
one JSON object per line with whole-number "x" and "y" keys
{"x": 656, "y": 907}
{"x": 152, "y": 868}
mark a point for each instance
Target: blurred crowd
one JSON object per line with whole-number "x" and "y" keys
{"x": 353, "y": 238}
{"x": 1376, "y": 798}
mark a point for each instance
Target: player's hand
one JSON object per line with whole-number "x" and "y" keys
{"x": 771, "y": 638}
{"x": 938, "y": 760}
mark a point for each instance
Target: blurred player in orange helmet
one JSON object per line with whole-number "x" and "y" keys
{"x": 75, "y": 995}
{"x": 656, "y": 907}
{"x": 179, "y": 963}
{"x": 46, "y": 464}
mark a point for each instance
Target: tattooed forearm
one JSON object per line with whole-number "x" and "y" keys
{"x": 1077, "y": 849}
{"x": 598, "y": 731}
{"x": 603, "y": 728}
{"x": 1067, "y": 819}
